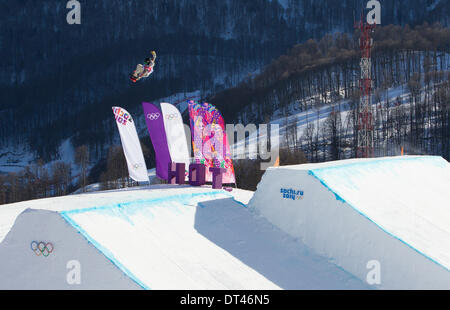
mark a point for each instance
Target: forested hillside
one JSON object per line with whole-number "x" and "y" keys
{"x": 59, "y": 81}
{"x": 414, "y": 62}
{"x": 256, "y": 60}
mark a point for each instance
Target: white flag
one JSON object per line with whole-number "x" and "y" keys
{"x": 131, "y": 145}
{"x": 176, "y": 136}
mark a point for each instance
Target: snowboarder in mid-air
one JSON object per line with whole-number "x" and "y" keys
{"x": 143, "y": 71}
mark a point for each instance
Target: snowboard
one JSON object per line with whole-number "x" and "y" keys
{"x": 137, "y": 74}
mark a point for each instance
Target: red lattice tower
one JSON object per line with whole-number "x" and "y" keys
{"x": 365, "y": 117}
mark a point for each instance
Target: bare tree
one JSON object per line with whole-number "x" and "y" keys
{"x": 116, "y": 174}
{"x": 61, "y": 178}
{"x": 82, "y": 160}
{"x": 2, "y": 190}
{"x": 14, "y": 190}
{"x": 333, "y": 132}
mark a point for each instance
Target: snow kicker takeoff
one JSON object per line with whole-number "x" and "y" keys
{"x": 144, "y": 71}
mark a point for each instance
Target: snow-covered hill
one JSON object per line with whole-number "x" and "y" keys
{"x": 293, "y": 117}
{"x": 387, "y": 214}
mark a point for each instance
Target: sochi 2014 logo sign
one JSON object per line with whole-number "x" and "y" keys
{"x": 292, "y": 194}
{"x": 121, "y": 116}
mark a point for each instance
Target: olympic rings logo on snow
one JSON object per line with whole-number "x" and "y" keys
{"x": 42, "y": 248}
{"x": 171, "y": 116}
{"x": 153, "y": 116}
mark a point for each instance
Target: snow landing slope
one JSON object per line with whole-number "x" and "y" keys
{"x": 21, "y": 268}
{"x": 395, "y": 211}
{"x": 158, "y": 237}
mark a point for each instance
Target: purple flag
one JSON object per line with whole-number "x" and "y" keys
{"x": 155, "y": 125}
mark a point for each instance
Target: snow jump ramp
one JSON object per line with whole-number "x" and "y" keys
{"x": 166, "y": 237}
{"x": 392, "y": 211}
{"x": 23, "y": 266}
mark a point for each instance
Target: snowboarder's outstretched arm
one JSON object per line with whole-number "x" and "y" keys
{"x": 151, "y": 61}
{"x": 149, "y": 64}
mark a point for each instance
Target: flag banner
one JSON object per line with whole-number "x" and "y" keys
{"x": 155, "y": 126}
{"x": 220, "y": 147}
{"x": 209, "y": 140}
{"x": 198, "y": 122}
{"x": 131, "y": 145}
{"x": 176, "y": 136}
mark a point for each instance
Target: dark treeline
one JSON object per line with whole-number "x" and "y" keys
{"x": 326, "y": 72}
{"x": 41, "y": 181}
{"x": 58, "y": 179}
{"x": 311, "y": 76}
{"x": 36, "y": 181}
{"x": 59, "y": 81}
{"x": 64, "y": 79}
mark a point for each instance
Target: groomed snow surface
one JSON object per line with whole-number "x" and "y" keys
{"x": 395, "y": 211}
{"x": 333, "y": 219}
{"x": 158, "y": 237}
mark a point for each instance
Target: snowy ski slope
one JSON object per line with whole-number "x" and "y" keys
{"x": 392, "y": 210}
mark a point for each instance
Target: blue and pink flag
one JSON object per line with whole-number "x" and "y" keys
{"x": 209, "y": 140}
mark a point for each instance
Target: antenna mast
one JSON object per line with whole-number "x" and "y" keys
{"x": 365, "y": 117}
